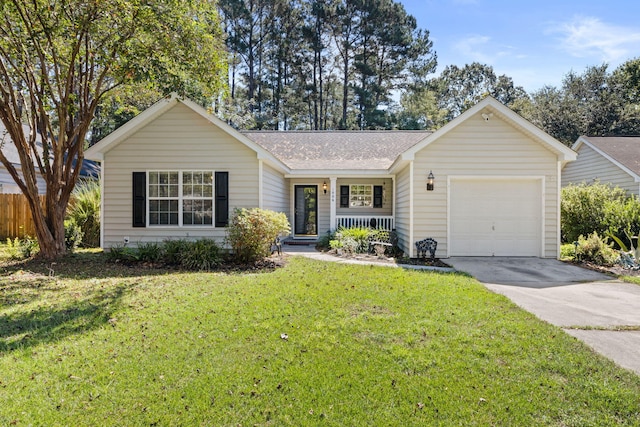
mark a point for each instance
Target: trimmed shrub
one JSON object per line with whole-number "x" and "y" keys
{"x": 202, "y": 254}
{"x": 598, "y": 208}
{"x": 596, "y": 249}
{"x": 150, "y": 252}
{"x": 251, "y": 232}
{"x": 172, "y": 250}
{"x": 124, "y": 254}
{"x": 355, "y": 238}
{"x": 84, "y": 209}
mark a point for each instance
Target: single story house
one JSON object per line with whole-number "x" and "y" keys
{"x": 485, "y": 184}
{"x": 611, "y": 160}
{"x": 8, "y": 186}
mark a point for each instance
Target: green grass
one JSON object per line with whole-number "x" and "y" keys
{"x": 101, "y": 344}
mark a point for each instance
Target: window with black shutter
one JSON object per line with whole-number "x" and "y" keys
{"x": 222, "y": 199}
{"x": 377, "y": 196}
{"x": 139, "y": 199}
{"x": 344, "y": 196}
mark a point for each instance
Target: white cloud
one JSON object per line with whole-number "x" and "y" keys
{"x": 590, "y": 37}
{"x": 482, "y": 49}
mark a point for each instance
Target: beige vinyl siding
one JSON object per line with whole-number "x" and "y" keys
{"x": 591, "y": 166}
{"x": 479, "y": 148}
{"x": 387, "y": 206}
{"x": 275, "y": 190}
{"x": 402, "y": 220}
{"x": 180, "y": 139}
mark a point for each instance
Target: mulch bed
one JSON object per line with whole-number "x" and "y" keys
{"x": 614, "y": 270}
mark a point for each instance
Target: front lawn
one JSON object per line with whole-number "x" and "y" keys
{"x": 312, "y": 343}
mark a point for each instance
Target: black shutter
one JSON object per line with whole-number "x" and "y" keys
{"x": 344, "y": 196}
{"x": 222, "y": 199}
{"x": 139, "y": 199}
{"x": 377, "y": 196}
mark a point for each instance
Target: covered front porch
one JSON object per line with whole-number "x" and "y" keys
{"x": 323, "y": 204}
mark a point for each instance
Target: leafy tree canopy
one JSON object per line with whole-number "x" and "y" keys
{"x": 60, "y": 59}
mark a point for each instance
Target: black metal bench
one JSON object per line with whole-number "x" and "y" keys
{"x": 380, "y": 240}
{"x": 426, "y": 245}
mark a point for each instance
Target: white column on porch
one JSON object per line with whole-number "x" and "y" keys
{"x": 332, "y": 206}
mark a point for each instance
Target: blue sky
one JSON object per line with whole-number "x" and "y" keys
{"x": 535, "y": 42}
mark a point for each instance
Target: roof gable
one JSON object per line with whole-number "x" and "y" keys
{"x": 622, "y": 151}
{"x": 97, "y": 151}
{"x": 489, "y": 107}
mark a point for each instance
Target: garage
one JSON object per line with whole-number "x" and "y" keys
{"x": 495, "y": 217}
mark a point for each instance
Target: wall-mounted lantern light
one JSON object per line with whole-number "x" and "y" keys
{"x": 430, "y": 181}
{"x": 324, "y": 187}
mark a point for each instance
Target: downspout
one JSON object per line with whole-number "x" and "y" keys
{"x": 260, "y": 183}
{"x": 102, "y": 203}
{"x": 411, "y": 197}
{"x": 558, "y": 217}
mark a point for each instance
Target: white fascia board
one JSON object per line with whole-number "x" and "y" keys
{"x": 584, "y": 140}
{"x": 311, "y": 173}
{"x": 261, "y": 152}
{"x": 96, "y": 151}
{"x": 493, "y": 105}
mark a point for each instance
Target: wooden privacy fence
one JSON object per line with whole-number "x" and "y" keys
{"x": 15, "y": 217}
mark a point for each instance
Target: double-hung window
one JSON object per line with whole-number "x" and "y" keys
{"x": 360, "y": 196}
{"x": 182, "y": 198}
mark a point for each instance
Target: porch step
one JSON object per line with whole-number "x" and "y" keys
{"x": 305, "y": 242}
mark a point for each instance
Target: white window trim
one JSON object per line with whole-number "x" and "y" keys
{"x": 350, "y": 195}
{"x": 181, "y": 198}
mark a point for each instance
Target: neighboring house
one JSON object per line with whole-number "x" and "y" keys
{"x": 175, "y": 171}
{"x": 8, "y": 185}
{"x": 611, "y": 160}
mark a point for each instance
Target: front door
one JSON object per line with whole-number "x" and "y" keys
{"x": 306, "y": 210}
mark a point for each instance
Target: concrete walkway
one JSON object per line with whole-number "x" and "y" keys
{"x": 590, "y": 306}
{"x": 310, "y": 252}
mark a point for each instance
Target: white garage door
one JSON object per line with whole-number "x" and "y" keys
{"x": 495, "y": 217}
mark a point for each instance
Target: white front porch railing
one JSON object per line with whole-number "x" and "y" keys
{"x": 380, "y": 222}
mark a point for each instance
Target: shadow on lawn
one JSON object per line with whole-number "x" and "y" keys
{"x": 78, "y": 266}
{"x": 95, "y": 265}
{"x": 48, "y": 323}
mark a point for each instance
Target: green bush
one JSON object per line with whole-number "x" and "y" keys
{"x": 355, "y": 238}
{"x": 251, "y": 232}
{"x": 72, "y": 235}
{"x": 172, "y": 250}
{"x": 324, "y": 242}
{"x": 568, "y": 252}
{"x": 124, "y": 254}
{"x": 84, "y": 209}
{"x": 21, "y": 248}
{"x": 204, "y": 254}
{"x": 150, "y": 252}
{"x": 596, "y": 249}
{"x": 598, "y": 208}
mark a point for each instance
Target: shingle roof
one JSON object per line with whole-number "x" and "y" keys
{"x": 337, "y": 150}
{"x": 623, "y": 149}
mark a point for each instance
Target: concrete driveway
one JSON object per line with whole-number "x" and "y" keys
{"x": 570, "y": 297}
